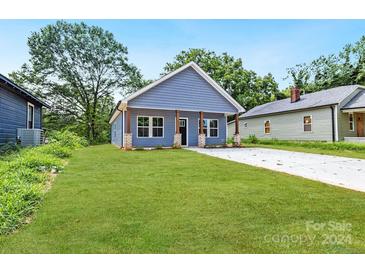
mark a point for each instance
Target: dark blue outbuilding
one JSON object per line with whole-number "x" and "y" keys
{"x": 20, "y": 114}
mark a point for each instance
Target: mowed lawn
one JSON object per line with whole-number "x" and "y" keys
{"x": 177, "y": 201}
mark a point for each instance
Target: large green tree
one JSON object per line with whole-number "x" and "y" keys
{"x": 245, "y": 86}
{"x": 77, "y": 69}
{"x": 344, "y": 68}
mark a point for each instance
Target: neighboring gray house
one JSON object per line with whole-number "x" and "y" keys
{"x": 184, "y": 108}
{"x": 20, "y": 114}
{"x": 329, "y": 115}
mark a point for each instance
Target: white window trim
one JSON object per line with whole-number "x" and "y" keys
{"x": 208, "y": 127}
{"x": 269, "y": 127}
{"x": 353, "y": 121}
{"x": 310, "y": 123}
{"x": 150, "y": 127}
{"x": 30, "y": 104}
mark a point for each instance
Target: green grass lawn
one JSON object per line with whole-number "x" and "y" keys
{"x": 293, "y": 147}
{"x": 178, "y": 201}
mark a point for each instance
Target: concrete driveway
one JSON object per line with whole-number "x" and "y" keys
{"x": 334, "y": 170}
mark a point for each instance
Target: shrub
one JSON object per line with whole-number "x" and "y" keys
{"x": 8, "y": 149}
{"x": 159, "y": 147}
{"x": 23, "y": 176}
{"x": 68, "y": 139}
{"x": 230, "y": 141}
{"x": 55, "y": 149}
{"x": 252, "y": 139}
{"x": 37, "y": 161}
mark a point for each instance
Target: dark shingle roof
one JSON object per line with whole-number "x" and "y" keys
{"x": 21, "y": 91}
{"x": 357, "y": 102}
{"x": 311, "y": 100}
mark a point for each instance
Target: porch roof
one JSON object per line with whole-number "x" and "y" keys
{"x": 358, "y": 102}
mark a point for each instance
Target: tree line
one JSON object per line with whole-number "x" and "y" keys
{"x": 79, "y": 69}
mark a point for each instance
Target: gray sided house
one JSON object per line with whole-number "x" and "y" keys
{"x": 334, "y": 114}
{"x": 183, "y": 108}
{"x": 20, "y": 114}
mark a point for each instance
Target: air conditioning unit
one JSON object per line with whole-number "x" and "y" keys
{"x": 30, "y": 137}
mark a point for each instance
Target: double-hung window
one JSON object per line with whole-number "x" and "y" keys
{"x": 157, "y": 127}
{"x": 307, "y": 123}
{"x": 30, "y": 116}
{"x": 148, "y": 126}
{"x": 210, "y": 127}
{"x": 351, "y": 121}
{"x": 267, "y": 127}
{"x": 143, "y": 125}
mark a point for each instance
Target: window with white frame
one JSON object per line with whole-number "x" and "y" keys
{"x": 307, "y": 120}
{"x": 157, "y": 127}
{"x": 351, "y": 121}
{"x": 267, "y": 127}
{"x": 143, "y": 126}
{"x": 30, "y": 116}
{"x": 210, "y": 127}
{"x": 148, "y": 126}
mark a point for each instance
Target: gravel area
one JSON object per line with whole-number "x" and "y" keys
{"x": 334, "y": 170}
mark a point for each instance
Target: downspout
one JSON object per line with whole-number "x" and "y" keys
{"x": 123, "y": 128}
{"x": 333, "y": 123}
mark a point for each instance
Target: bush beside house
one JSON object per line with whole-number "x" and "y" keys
{"x": 24, "y": 174}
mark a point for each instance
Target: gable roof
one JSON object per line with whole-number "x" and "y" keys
{"x": 123, "y": 103}
{"x": 21, "y": 91}
{"x": 326, "y": 97}
{"x": 358, "y": 101}
{"x": 201, "y": 72}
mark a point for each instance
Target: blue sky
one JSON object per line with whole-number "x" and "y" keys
{"x": 264, "y": 45}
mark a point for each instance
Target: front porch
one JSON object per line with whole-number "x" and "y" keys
{"x": 355, "y": 128}
{"x": 156, "y": 128}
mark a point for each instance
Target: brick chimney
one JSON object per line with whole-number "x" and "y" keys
{"x": 295, "y": 94}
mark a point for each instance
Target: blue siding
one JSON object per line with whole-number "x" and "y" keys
{"x": 117, "y": 131}
{"x": 13, "y": 115}
{"x": 169, "y": 127}
{"x": 186, "y": 90}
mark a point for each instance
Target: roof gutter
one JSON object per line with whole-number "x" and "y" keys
{"x": 121, "y": 106}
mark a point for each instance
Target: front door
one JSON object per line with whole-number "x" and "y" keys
{"x": 360, "y": 124}
{"x": 183, "y": 130}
